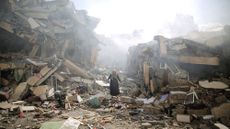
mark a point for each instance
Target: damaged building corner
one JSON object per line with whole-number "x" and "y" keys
{"x": 50, "y": 77}
{"x": 186, "y": 79}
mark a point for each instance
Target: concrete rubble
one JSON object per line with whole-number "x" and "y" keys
{"x": 186, "y": 78}
{"x": 47, "y": 52}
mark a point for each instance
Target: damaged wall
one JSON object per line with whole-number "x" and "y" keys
{"x": 52, "y": 27}
{"x": 171, "y": 59}
{"x": 44, "y": 43}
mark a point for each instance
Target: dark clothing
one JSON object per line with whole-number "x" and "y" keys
{"x": 114, "y": 85}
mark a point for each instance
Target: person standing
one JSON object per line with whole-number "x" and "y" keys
{"x": 114, "y": 84}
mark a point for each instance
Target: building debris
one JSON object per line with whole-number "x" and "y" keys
{"x": 221, "y": 111}
{"x": 183, "y": 118}
{"x": 213, "y": 84}
{"x": 48, "y": 79}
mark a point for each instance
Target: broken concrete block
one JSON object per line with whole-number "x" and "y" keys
{"x": 75, "y": 69}
{"x": 221, "y": 126}
{"x": 27, "y": 108}
{"x": 126, "y": 99}
{"x": 45, "y": 70}
{"x": 41, "y": 91}
{"x": 183, "y": 118}
{"x": 19, "y": 103}
{"x": 102, "y": 83}
{"x": 87, "y": 81}
{"x": 177, "y": 97}
{"x": 19, "y": 91}
{"x": 213, "y": 84}
{"x": 59, "y": 77}
{"x": 52, "y": 125}
{"x": 48, "y": 74}
{"x": 70, "y": 123}
{"x": 38, "y": 77}
{"x": 6, "y": 26}
{"x": 221, "y": 111}
{"x": 33, "y": 23}
{"x": 32, "y": 80}
{"x": 5, "y": 105}
{"x": 36, "y": 63}
{"x": 146, "y": 125}
{"x": 149, "y": 109}
{"x": 50, "y": 92}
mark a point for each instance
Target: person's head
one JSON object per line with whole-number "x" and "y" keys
{"x": 114, "y": 72}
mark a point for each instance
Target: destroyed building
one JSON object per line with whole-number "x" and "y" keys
{"x": 181, "y": 71}
{"x": 48, "y": 78}
{"x": 47, "y": 28}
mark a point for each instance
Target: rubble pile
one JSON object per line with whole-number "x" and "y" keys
{"x": 185, "y": 79}
{"x": 44, "y": 42}
{"x": 47, "y": 48}
{"x": 47, "y": 28}
{"x": 47, "y": 53}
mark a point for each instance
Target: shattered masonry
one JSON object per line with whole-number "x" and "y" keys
{"x": 48, "y": 51}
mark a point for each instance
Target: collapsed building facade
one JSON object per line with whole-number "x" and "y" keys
{"x": 177, "y": 58}
{"x": 43, "y": 43}
{"x": 48, "y": 48}
{"x": 180, "y": 71}
{"x": 47, "y": 28}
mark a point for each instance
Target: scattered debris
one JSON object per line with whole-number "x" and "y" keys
{"x": 221, "y": 111}
{"x": 183, "y": 118}
{"x": 47, "y": 79}
{"x": 213, "y": 84}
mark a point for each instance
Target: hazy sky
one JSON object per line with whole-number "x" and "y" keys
{"x": 124, "y": 16}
